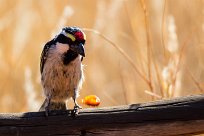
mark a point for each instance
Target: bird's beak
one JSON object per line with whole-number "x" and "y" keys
{"x": 78, "y": 48}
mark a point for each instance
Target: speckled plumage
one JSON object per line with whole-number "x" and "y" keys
{"x": 61, "y": 82}
{"x": 61, "y": 74}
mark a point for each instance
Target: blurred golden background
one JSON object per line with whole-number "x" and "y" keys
{"x": 154, "y": 50}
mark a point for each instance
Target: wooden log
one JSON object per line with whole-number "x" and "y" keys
{"x": 180, "y": 116}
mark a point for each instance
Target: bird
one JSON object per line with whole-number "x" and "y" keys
{"x": 62, "y": 70}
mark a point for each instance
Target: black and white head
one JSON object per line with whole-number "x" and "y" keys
{"x": 74, "y": 37}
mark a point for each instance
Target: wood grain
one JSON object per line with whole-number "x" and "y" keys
{"x": 180, "y": 116}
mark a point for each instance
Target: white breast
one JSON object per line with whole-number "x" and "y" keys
{"x": 61, "y": 48}
{"x": 59, "y": 80}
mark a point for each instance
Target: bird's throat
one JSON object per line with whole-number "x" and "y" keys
{"x": 69, "y": 56}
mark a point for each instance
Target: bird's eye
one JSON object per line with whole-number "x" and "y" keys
{"x": 83, "y": 42}
{"x": 71, "y": 37}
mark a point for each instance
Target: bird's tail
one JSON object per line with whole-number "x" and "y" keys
{"x": 53, "y": 105}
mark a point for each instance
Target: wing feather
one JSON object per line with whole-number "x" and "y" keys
{"x": 44, "y": 54}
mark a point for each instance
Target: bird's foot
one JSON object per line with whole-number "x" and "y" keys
{"x": 76, "y": 110}
{"x": 47, "y": 110}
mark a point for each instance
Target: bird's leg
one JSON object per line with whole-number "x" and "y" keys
{"x": 47, "y": 106}
{"x": 76, "y": 108}
{"x": 76, "y": 105}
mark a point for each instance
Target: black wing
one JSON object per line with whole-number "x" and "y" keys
{"x": 44, "y": 54}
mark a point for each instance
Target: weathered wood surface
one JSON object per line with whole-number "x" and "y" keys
{"x": 181, "y": 116}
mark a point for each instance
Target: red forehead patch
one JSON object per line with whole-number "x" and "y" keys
{"x": 80, "y": 35}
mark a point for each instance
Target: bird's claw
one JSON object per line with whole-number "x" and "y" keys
{"x": 76, "y": 110}
{"x": 47, "y": 111}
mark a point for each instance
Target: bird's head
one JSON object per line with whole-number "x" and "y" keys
{"x": 74, "y": 37}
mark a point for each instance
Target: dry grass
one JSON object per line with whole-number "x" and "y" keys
{"x": 137, "y": 51}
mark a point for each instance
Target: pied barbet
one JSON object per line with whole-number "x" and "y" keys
{"x": 61, "y": 69}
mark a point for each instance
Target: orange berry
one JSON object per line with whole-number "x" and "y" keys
{"x": 91, "y": 100}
